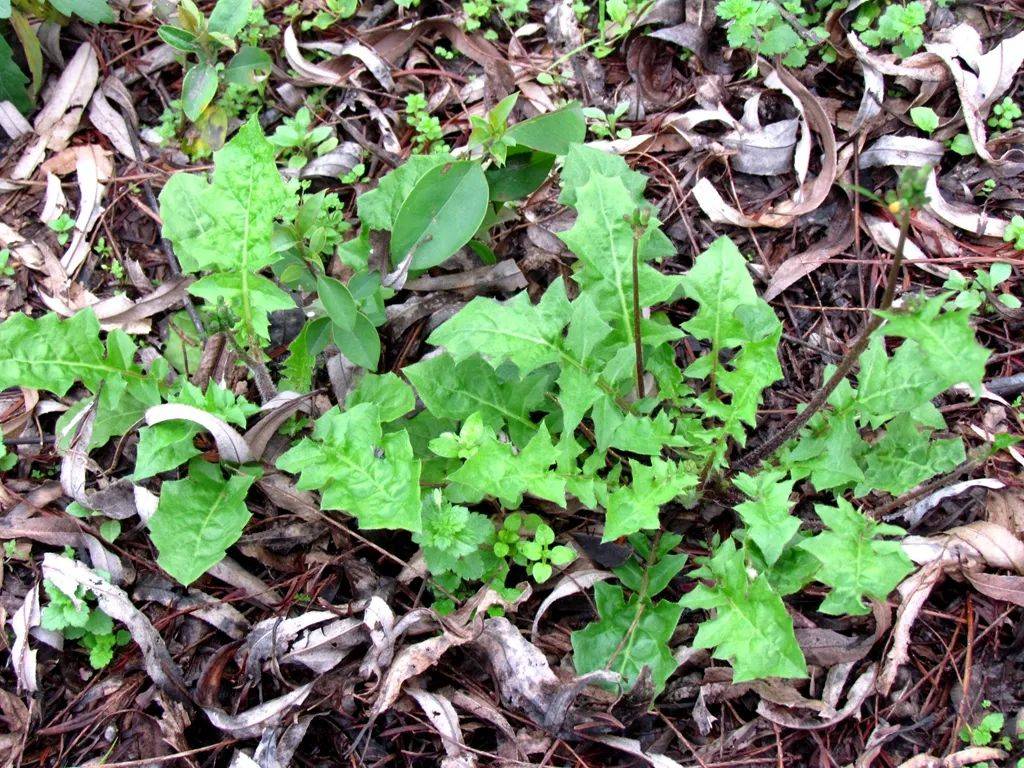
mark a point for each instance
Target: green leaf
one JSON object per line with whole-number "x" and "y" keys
{"x": 720, "y": 283}
{"x": 524, "y": 171}
{"x": 493, "y": 468}
{"x": 337, "y": 300}
{"x": 441, "y": 214}
{"x": 13, "y": 81}
{"x": 52, "y": 354}
{"x": 229, "y": 16}
{"x": 553, "y": 132}
{"x": 602, "y": 240}
{"x": 751, "y": 628}
{"x": 379, "y": 207}
{"x": 627, "y": 637}
{"x": 766, "y": 514}
{"x": 248, "y": 66}
{"x": 92, "y": 11}
{"x": 635, "y": 507}
{"x": 358, "y": 469}
{"x": 582, "y": 162}
{"x": 198, "y": 89}
{"x": 226, "y": 225}
{"x": 951, "y": 352}
{"x": 297, "y": 370}
{"x": 360, "y": 343}
{"x": 452, "y": 538}
{"x": 392, "y": 396}
{"x": 527, "y": 335}
{"x": 162, "y": 447}
{"x": 455, "y": 391}
{"x": 907, "y": 456}
{"x": 854, "y": 562}
{"x": 924, "y": 118}
{"x": 197, "y": 519}
{"x": 178, "y": 38}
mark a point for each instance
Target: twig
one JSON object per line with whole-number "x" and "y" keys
{"x": 754, "y": 457}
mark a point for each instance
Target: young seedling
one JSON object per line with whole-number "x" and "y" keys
{"x": 204, "y": 40}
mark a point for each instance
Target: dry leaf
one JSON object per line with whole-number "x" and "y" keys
{"x": 68, "y": 575}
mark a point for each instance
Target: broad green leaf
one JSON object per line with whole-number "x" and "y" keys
{"x": 766, "y": 513}
{"x": 854, "y": 562}
{"x": 13, "y": 82}
{"x": 553, "y": 132}
{"x": 92, "y": 11}
{"x": 627, "y": 637}
{"x": 453, "y": 390}
{"x": 907, "y": 456}
{"x": 337, "y": 300}
{"x": 441, "y": 214}
{"x": 635, "y": 507}
{"x": 162, "y": 447}
{"x": 951, "y": 352}
{"x": 750, "y": 628}
{"x": 225, "y": 226}
{"x": 582, "y": 162}
{"x": 360, "y": 343}
{"x": 720, "y": 284}
{"x": 358, "y": 469}
{"x": 178, "y": 38}
{"x": 602, "y": 240}
{"x": 198, "y": 89}
{"x": 229, "y": 16}
{"x": 197, "y": 519}
{"x": 392, "y": 396}
{"x": 378, "y": 208}
{"x": 527, "y": 335}
{"x": 493, "y": 468}
{"x": 248, "y": 66}
{"x": 522, "y": 174}
{"x": 52, "y": 354}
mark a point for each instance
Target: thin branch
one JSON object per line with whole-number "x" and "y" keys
{"x": 753, "y": 458}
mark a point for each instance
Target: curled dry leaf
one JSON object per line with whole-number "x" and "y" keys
{"x": 231, "y": 445}
{"x": 68, "y": 575}
{"x": 60, "y": 116}
{"x": 252, "y": 723}
{"x": 900, "y": 151}
{"x": 569, "y": 584}
{"x": 276, "y": 412}
{"x": 964, "y": 757}
{"x": 632, "y": 747}
{"x": 913, "y": 514}
{"x": 442, "y": 716}
{"x": 811, "y": 193}
{"x": 966, "y": 549}
{"x": 218, "y": 614}
{"x": 859, "y": 691}
{"x": 525, "y": 680}
{"x": 839, "y": 238}
{"x": 23, "y": 657}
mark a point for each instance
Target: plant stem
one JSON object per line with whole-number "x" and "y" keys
{"x": 753, "y": 458}
{"x": 637, "y": 342}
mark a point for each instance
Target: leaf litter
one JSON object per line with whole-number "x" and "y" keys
{"x": 313, "y": 617}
